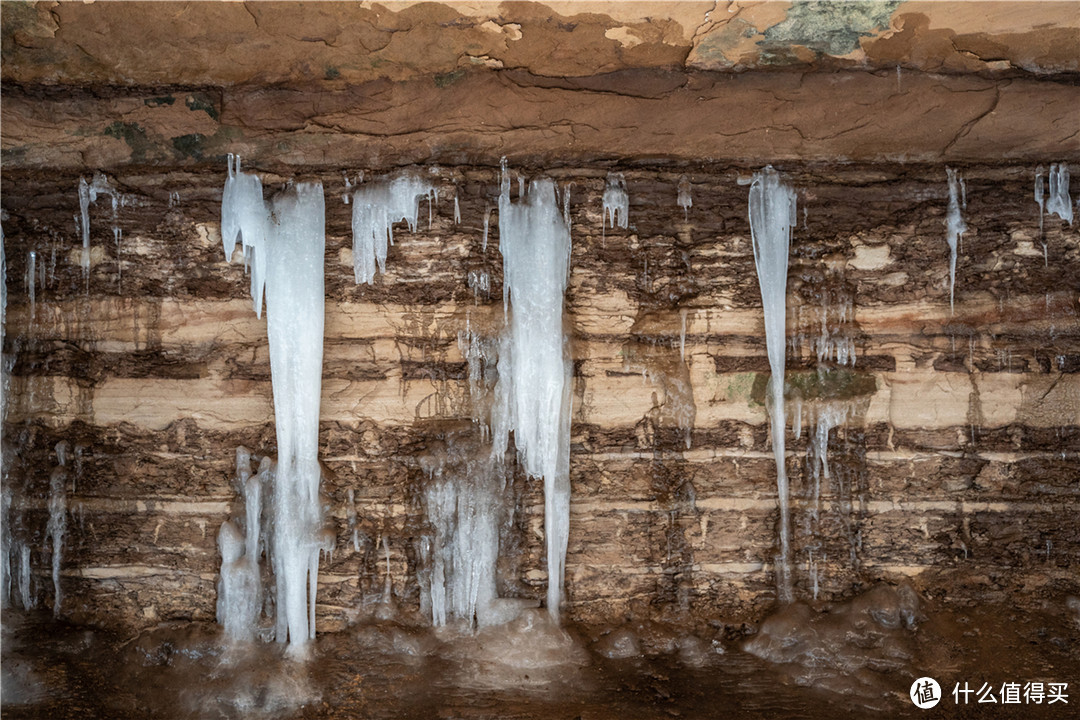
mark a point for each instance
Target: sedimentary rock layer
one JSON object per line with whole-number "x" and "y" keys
{"x": 957, "y": 465}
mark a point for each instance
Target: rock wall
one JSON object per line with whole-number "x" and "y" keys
{"x": 957, "y": 464}
{"x": 956, "y": 448}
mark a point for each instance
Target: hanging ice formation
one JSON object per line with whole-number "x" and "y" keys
{"x": 534, "y": 364}
{"x": 616, "y": 201}
{"x": 88, "y": 193}
{"x": 240, "y": 589}
{"x": 244, "y": 215}
{"x": 1057, "y": 201}
{"x": 292, "y": 245}
{"x": 685, "y": 200}
{"x": 376, "y": 207}
{"x": 31, "y": 277}
{"x": 772, "y": 215}
{"x": 954, "y": 224}
{"x": 57, "y": 524}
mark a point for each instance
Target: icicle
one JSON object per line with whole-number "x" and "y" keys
{"x": 295, "y": 317}
{"x": 955, "y": 227}
{"x": 84, "y": 210}
{"x": 772, "y": 215}
{"x": 616, "y": 201}
{"x": 534, "y": 365}
{"x": 376, "y": 207}
{"x": 244, "y": 214}
{"x": 685, "y": 201}
{"x": 1058, "y": 200}
{"x": 56, "y": 527}
{"x": 31, "y": 279}
{"x": 457, "y": 211}
{"x": 487, "y": 219}
{"x": 682, "y": 333}
{"x": 29, "y": 602}
{"x": 352, "y": 520}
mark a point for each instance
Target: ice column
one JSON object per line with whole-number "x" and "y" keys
{"x": 288, "y": 240}
{"x": 376, "y": 207}
{"x": 772, "y": 215}
{"x": 954, "y": 224}
{"x": 294, "y": 308}
{"x": 534, "y": 367}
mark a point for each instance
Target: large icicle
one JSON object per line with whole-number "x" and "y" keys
{"x": 376, "y": 207}
{"x": 294, "y": 308}
{"x": 288, "y": 239}
{"x": 534, "y": 366}
{"x": 772, "y": 215}
{"x": 955, "y": 226}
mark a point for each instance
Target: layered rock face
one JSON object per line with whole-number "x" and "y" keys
{"x": 952, "y": 438}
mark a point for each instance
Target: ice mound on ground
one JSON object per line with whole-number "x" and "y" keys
{"x": 847, "y": 647}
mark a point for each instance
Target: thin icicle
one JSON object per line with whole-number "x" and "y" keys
{"x": 772, "y": 215}
{"x": 955, "y": 227}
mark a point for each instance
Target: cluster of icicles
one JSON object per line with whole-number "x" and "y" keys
{"x": 521, "y": 379}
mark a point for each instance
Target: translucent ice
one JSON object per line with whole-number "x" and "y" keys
{"x": 295, "y": 309}
{"x": 240, "y": 589}
{"x": 534, "y": 365}
{"x": 616, "y": 201}
{"x": 772, "y": 215}
{"x": 245, "y": 215}
{"x": 954, "y": 224}
{"x": 1057, "y": 200}
{"x": 685, "y": 200}
{"x": 57, "y": 524}
{"x": 291, "y": 245}
{"x": 31, "y": 281}
{"x": 376, "y": 207}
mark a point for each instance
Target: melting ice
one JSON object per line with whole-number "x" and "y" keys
{"x": 616, "y": 201}
{"x": 376, "y": 207}
{"x": 954, "y": 224}
{"x": 772, "y": 215}
{"x": 534, "y": 365}
{"x": 289, "y": 243}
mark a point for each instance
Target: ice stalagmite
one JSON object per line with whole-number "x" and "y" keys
{"x": 955, "y": 226}
{"x": 239, "y": 590}
{"x": 376, "y": 207}
{"x": 772, "y": 215}
{"x": 534, "y": 366}
{"x": 294, "y": 308}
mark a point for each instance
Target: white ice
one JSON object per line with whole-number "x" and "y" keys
{"x": 377, "y": 205}
{"x": 616, "y": 201}
{"x": 245, "y": 216}
{"x": 954, "y": 224}
{"x": 295, "y": 318}
{"x": 772, "y": 215}
{"x": 685, "y": 200}
{"x": 534, "y": 365}
{"x": 240, "y": 587}
{"x": 1057, "y": 199}
{"x": 57, "y": 524}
